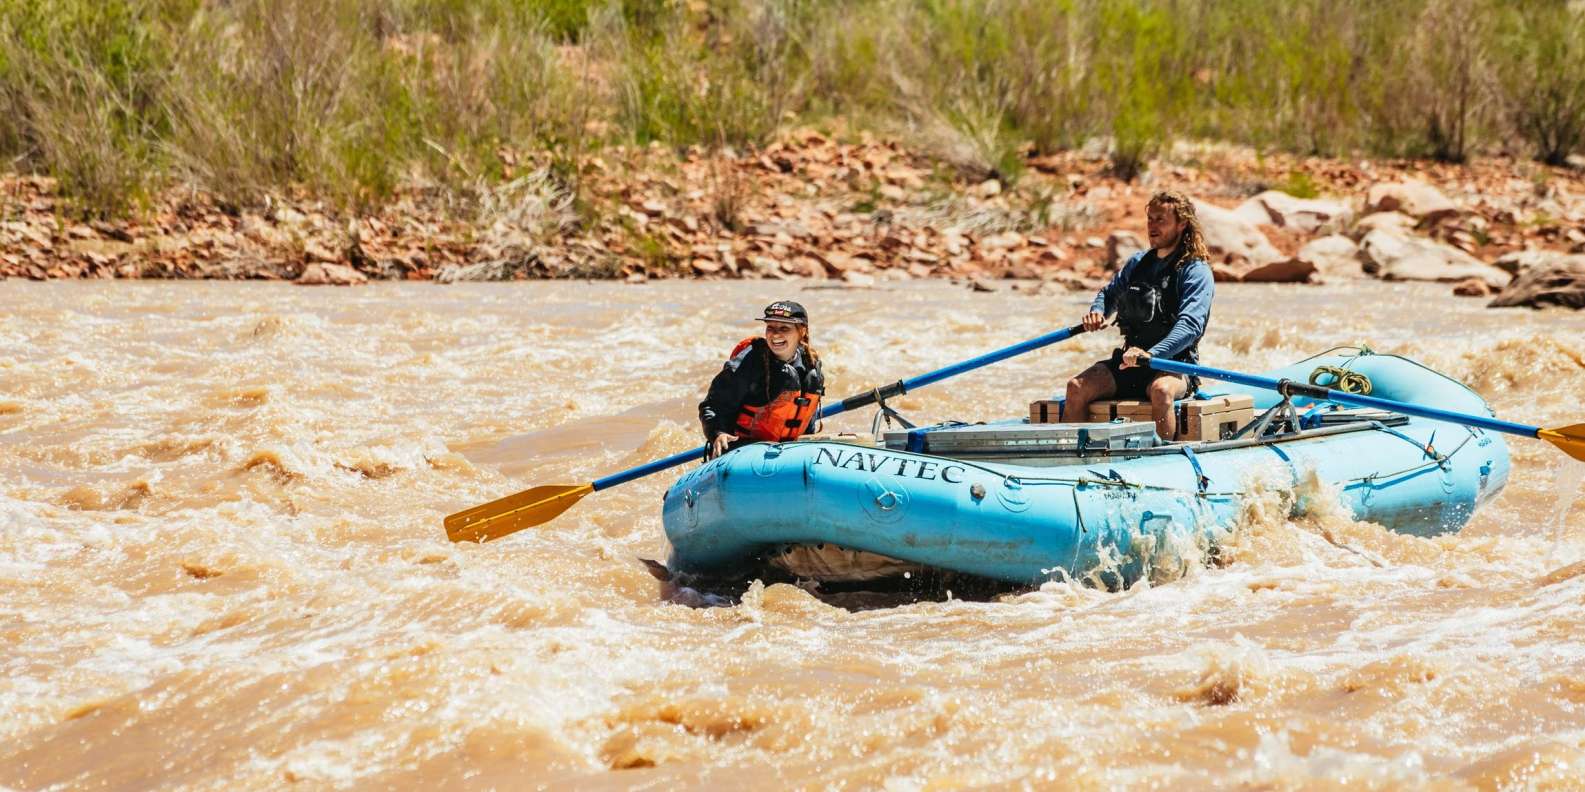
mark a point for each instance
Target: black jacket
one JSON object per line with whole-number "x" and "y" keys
{"x": 752, "y": 378}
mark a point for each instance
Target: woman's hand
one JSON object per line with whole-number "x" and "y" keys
{"x": 1093, "y": 321}
{"x": 719, "y": 445}
{"x": 1131, "y": 357}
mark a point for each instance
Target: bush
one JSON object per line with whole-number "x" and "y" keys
{"x": 725, "y": 78}
{"x": 1544, "y": 76}
{"x": 1139, "y": 62}
{"x": 351, "y": 98}
{"x": 78, "y": 82}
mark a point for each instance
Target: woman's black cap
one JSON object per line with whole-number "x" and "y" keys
{"x": 785, "y": 311}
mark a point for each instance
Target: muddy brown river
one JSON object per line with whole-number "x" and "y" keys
{"x": 222, "y": 564}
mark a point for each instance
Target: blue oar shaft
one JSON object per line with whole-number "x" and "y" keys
{"x": 1320, "y": 393}
{"x": 862, "y": 399}
{"x": 992, "y": 357}
{"x": 648, "y": 468}
{"x": 904, "y": 386}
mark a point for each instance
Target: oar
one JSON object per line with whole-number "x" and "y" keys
{"x": 1569, "y": 438}
{"x": 513, "y": 513}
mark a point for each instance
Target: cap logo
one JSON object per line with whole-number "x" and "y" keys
{"x": 785, "y": 311}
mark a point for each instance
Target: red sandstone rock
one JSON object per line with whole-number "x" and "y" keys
{"x": 330, "y": 275}
{"x": 1472, "y": 287}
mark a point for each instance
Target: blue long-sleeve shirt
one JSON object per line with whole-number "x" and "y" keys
{"x": 1196, "y": 288}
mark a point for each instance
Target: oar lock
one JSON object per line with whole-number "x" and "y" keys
{"x": 1288, "y": 388}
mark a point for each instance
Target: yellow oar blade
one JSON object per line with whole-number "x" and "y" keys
{"x": 1569, "y": 438}
{"x": 513, "y": 513}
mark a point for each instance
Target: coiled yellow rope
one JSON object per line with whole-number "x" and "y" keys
{"x": 1342, "y": 379}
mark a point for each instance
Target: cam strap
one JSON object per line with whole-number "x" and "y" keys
{"x": 1200, "y": 479}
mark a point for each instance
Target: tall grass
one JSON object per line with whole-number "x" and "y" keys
{"x": 353, "y": 100}
{"x": 1544, "y": 75}
{"x": 79, "y": 88}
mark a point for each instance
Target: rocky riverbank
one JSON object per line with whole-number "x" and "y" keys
{"x": 857, "y": 209}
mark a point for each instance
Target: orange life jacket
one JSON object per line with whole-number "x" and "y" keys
{"x": 785, "y": 417}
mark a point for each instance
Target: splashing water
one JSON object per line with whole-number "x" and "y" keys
{"x": 1570, "y": 474}
{"x": 222, "y": 564}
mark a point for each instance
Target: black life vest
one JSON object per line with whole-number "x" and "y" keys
{"x": 1148, "y": 307}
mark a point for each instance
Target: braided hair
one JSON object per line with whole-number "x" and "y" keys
{"x": 811, "y": 358}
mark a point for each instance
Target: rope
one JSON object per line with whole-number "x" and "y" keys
{"x": 1364, "y": 351}
{"x": 1355, "y": 382}
{"x": 1360, "y": 351}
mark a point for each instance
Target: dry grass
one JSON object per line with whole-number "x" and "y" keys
{"x": 350, "y": 99}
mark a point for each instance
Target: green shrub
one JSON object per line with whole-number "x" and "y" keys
{"x": 349, "y": 99}
{"x": 1543, "y": 76}
{"x": 727, "y": 84}
{"x": 1299, "y": 185}
{"x": 78, "y": 86}
{"x": 1138, "y": 61}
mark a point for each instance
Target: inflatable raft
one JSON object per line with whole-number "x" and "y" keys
{"x": 1095, "y": 502}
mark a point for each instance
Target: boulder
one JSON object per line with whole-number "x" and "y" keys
{"x": 313, "y": 250}
{"x": 1426, "y": 204}
{"x": 1292, "y": 270}
{"x": 1391, "y": 257}
{"x": 1226, "y": 273}
{"x": 1252, "y": 211}
{"x": 1472, "y": 287}
{"x": 1561, "y": 282}
{"x": 1398, "y": 223}
{"x": 501, "y": 269}
{"x": 1334, "y": 256}
{"x": 1520, "y": 260}
{"x": 1076, "y": 283}
{"x": 1233, "y": 240}
{"x": 1120, "y": 246}
{"x": 1306, "y": 216}
{"x": 320, "y": 274}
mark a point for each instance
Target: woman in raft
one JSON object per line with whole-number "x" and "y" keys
{"x": 770, "y": 387}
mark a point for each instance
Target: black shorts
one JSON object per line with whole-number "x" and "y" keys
{"x": 1134, "y": 383}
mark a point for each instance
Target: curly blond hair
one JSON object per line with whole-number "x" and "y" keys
{"x": 1191, "y": 244}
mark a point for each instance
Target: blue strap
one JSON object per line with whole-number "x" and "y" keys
{"x": 1428, "y": 448}
{"x": 1304, "y": 420}
{"x": 1200, "y": 478}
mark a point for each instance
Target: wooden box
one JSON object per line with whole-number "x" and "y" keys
{"x": 1215, "y": 419}
{"x": 1109, "y": 410}
{"x": 1045, "y": 411}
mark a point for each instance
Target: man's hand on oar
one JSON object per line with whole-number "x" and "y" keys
{"x": 1571, "y": 439}
{"x": 528, "y": 508}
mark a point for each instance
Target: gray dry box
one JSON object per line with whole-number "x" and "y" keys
{"x": 1020, "y": 439}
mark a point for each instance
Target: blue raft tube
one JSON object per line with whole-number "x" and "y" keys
{"x": 1020, "y": 518}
